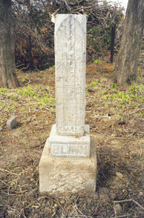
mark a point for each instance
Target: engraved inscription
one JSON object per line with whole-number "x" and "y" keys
{"x": 70, "y": 68}
{"x": 69, "y": 150}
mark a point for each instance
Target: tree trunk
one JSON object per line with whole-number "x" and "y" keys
{"x": 127, "y": 62}
{"x": 7, "y": 53}
{"x": 31, "y": 65}
{"x": 112, "y": 42}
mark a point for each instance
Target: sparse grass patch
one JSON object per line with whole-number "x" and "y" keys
{"x": 99, "y": 62}
{"x": 2, "y": 90}
{"x": 51, "y": 68}
{"x": 33, "y": 98}
{"x": 107, "y": 67}
{"x": 1, "y": 105}
{"x": 94, "y": 83}
{"x": 38, "y": 94}
{"x": 22, "y": 79}
{"x": 87, "y": 92}
{"x": 28, "y": 91}
{"x": 111, "y": 96}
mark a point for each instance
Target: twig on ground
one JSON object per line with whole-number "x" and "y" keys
{"x": 28, "y": 82}
{"x": 125, "y": 215}
{"x": 141, "y": 151}
{"x": 22, "y": 213}
{"x": 4, "y": 170}
{"x": 126, "y": 200}
{"x": 25, "y": 68}
{"x": 115, "y": 211}
{"x": 47, "y": 108}
{"x": 11, "y": 194}
{"x": 78, "y": 211}
{"x": 4, "y": 182}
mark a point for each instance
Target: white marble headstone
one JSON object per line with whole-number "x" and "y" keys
{"x": 68, "y": 162}
{"x": 70, "y": 70}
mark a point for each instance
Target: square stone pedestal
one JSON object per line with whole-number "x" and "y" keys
{"x": 67, "y": 174}
{"x": 69, "y": 146}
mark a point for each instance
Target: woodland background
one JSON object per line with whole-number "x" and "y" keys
{"x": 34, "y": 31}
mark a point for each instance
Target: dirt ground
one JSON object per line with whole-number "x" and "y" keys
{"x": 116, "y": 120}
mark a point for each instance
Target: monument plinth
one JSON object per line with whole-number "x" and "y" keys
{"x": 67, "y": 162}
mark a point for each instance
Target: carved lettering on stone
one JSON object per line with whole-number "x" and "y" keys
{"x": 69, "y": 150}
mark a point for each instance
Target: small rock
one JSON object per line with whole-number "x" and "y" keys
{"x": 118, "y": 207}
{"x": 120, "y": 175}
{"x": 105, "y": 118}
{"x": 11, "y": 123}
{"x": 140, "y": 194}
{"x": 62, "y": 201}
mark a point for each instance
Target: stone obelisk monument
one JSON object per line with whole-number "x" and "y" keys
{"x": 68, "y": 162}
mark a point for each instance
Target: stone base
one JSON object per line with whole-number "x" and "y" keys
{"x": 69, "y": 146}
{"x": 67, "y": 174}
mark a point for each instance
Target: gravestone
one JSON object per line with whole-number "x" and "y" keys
{"x": 68, "y": 161}
{"x": 70, "y": 67}
{"x": 11, "y": 123}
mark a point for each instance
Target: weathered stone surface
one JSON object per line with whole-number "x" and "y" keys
{"x": 11, "y": 123}
{"x": 70, "y": 71}
{"x": 118, "y": 207}
{"x": 64, "y": 174}
{"x": 69, "y": 146}
{"x": 68, "y": 162}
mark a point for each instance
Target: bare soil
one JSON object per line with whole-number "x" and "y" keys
{"x": 119, "y": 140}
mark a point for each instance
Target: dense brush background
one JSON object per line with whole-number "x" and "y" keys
{"x": 34, "y": 31}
